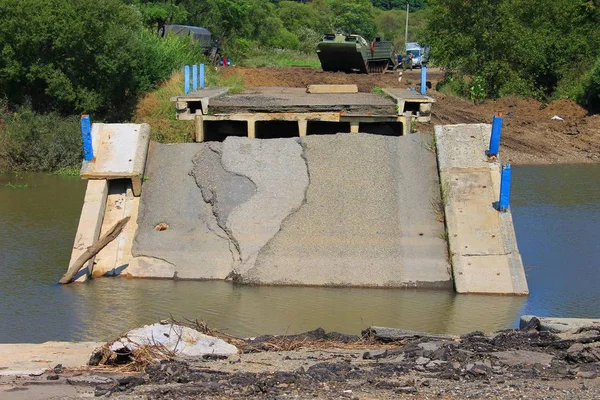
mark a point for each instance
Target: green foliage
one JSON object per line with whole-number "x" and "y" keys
{"x": 82, "y": 56}
{"x": 156, "y": 13}
{"x": 400, "y": 4}
{"x": 516, "y": 47}
{"x": 477, "y": 89}
{"x": 161, "y": 56}
{"x": 70, "y": 56}
{"x": 590, "y": 96}
{"x": 354, "y": 16}
{"x": 39, "y": 142}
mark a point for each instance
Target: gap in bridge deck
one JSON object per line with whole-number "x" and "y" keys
{"x": 277, "y": 129}
{"x": 326, "y": 127}
{"x": 381, "y": 128}
{"x": 217, "y": 131}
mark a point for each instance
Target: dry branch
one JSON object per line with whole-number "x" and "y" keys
{"x": 93, "y": 250}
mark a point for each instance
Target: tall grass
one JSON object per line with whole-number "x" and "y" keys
{"x": 162, "y": 56}
{"x": 275, "y": 58}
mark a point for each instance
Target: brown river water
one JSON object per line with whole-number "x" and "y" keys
{"x": 556, "y": 210}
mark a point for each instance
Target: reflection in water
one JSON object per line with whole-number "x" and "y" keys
{"x": 109, "y": 306}
{"x": 556, "y": 212}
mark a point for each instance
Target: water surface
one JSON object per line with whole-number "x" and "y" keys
{"x": 556, "y": 210}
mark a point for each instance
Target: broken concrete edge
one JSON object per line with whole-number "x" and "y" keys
{"x": 202, "y": 96}
{"x": 401, "y": 100}
{"x": 467, "y": 155}
{"x": 556, "y": 325}
{"x": 138, "y": 157}
{"x": 90, "y": 224}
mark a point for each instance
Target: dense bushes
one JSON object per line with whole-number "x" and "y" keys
{"x": 590, "y": 96}
{"x": 81, "y": 56}
{"x": 38, "y": 142}
{"x": 515, "y": 47}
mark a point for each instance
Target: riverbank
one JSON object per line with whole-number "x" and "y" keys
{"x": 381, "y": 363}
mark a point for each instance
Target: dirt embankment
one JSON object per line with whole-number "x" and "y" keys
{"x": 530, "y": 135}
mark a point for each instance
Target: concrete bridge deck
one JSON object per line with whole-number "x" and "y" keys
{"x": 336, "y": 210}
{"x": 299, "y": 112}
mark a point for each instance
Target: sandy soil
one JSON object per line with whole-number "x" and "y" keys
{"x": 530, "y": 136}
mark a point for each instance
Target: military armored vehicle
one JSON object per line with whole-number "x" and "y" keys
{"x": 352, "y": 53}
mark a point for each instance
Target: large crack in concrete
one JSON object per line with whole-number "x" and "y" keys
{"x": 194, "y": 245}
{"x": 221, "y": 190}
{"x": 280, "y": 173}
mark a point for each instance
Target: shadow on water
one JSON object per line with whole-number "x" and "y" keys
{"x": 557, "y": 233}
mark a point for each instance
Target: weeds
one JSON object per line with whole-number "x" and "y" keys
{"x": 378, "y": 90}
{"x": 11, "y": 185}
{"x": 72, "y": 170}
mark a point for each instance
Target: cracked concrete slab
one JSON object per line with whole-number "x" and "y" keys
{"x": 343, "y": 210}
{"x": 279, "y": 172}
{"x": 222, "y": 189}
{"x": 193, "y": 246}
{"x": 367, "y": 220}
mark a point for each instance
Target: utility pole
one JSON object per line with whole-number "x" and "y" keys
{"x": 406, "y": 31}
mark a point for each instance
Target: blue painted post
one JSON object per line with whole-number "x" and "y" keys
{"x": 503, "y": 203}
{"x": 201, "y": 76}
{"x": 86, "y": 135}
{"x": 496, "y": 134}
{"x": 194, "y": 77}
{"x": 186, "y": 79}
{"x": 423, "y": 80}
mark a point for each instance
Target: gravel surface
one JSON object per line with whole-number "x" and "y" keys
{"x": 508, "y": 364}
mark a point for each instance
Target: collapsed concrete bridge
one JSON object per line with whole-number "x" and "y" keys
{"x": 306, "y": 208}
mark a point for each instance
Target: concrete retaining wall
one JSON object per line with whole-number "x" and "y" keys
{"x": 484, "y": 252}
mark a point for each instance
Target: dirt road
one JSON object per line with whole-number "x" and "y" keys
{"x": 531, "y": 136}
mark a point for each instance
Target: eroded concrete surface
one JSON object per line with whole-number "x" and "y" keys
{"x": 343, "y": 210}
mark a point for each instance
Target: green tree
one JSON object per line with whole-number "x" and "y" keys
{"x": 520, "y": 47}
{"x": 354, "y": 16}
{"x": 71, "y": 56}
{"x": 156, "y": 13}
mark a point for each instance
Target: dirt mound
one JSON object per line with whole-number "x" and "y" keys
{"x": 530, "y": 134}
{"x": 304, "y": 76}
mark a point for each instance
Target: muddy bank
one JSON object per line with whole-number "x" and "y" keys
{"x": 381, "y": 363}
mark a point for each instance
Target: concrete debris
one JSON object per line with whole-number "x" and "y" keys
{"x": 180, "y": 340}
{"x": 560, "y": 324}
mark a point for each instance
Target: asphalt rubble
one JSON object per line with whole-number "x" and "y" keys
{"x": 381, "y": 363}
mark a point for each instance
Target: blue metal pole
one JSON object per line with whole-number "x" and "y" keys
{"x": 503, "y": 203}
{"x": 496, "y": 134}
{"x": 423, "y": 79}
{"x": 186, "y": 79}
{"x": 201, "y": 76}
{"x": 194, "y": 77}
{"x": 86, "y": 135}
